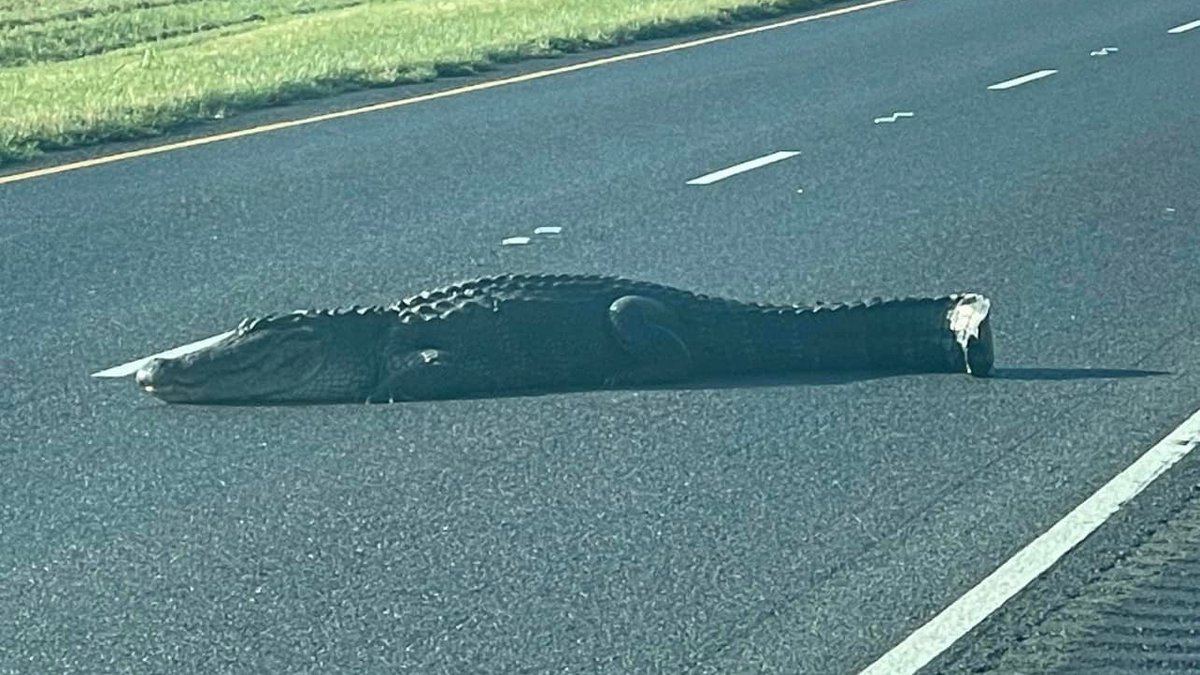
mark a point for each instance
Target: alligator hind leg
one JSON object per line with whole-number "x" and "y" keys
{"x": 650, "y": 333}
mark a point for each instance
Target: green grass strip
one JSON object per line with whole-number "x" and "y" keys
{"x": 76, "y": 35}
{"x": 290, "y": 50}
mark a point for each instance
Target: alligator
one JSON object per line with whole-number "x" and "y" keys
{"x": 521, "y": 334}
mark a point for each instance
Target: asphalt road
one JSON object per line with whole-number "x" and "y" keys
{"x": 1126, "y": 601}
{"x": 801, "y": 528}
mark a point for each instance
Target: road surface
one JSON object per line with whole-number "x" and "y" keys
{"x": 800, "y": 528}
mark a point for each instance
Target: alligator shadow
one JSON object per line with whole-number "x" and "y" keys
{"x": 849, "y": 377}
{"x": 828, "y": 378}
{"x": 1058, "y": 374}
{"x": 810, "y": 379}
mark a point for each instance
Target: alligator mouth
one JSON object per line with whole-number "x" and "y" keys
{"x": 208, "y": 381}
{"x": 152, "y": 379}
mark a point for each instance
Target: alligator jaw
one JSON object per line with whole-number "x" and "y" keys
{"x": 145, "y": 378}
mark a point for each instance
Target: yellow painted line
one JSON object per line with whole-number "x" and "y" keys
{"x": 491, "y": 84}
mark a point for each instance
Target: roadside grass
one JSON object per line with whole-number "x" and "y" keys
{"x": 75, "y": 33}
{"x": 77, "y": 72}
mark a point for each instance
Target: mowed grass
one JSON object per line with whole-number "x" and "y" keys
{"x": 76, "y": 72}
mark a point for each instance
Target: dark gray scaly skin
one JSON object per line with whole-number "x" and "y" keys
{"x": 515, "y": 334}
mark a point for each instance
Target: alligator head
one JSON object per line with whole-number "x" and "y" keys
{"x": 304, "y": 356}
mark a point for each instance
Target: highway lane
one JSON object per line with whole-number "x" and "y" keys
{"x": 711, "y": 529}
{"x": 1122, "y": 601}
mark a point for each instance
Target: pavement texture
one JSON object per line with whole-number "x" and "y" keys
{"x": 800, "y": 528}
{"x": 1127, "y": 600}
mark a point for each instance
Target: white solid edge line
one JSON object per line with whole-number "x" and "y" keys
{"x": 1185, "y": 27}
{"x": 480, "y": 86}
{"x": 715, "y": 176}
{"x": 1017, "y": 81}
{"x": 132, "y": 367}
{"x": 936, "y": 636}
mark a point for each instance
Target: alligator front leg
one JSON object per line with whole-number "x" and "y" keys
{"x": 649, "y": 332}
{"x": 416, "y": 375}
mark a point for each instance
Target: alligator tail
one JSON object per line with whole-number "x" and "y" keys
{"x": 946, "y": 334}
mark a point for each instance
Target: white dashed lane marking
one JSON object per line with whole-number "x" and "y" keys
{"x": 1185, "y": 27}
{"x": 710, "y": 178}
{"x": 1018, "y": 81}
{"x": 893, "y": 117}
